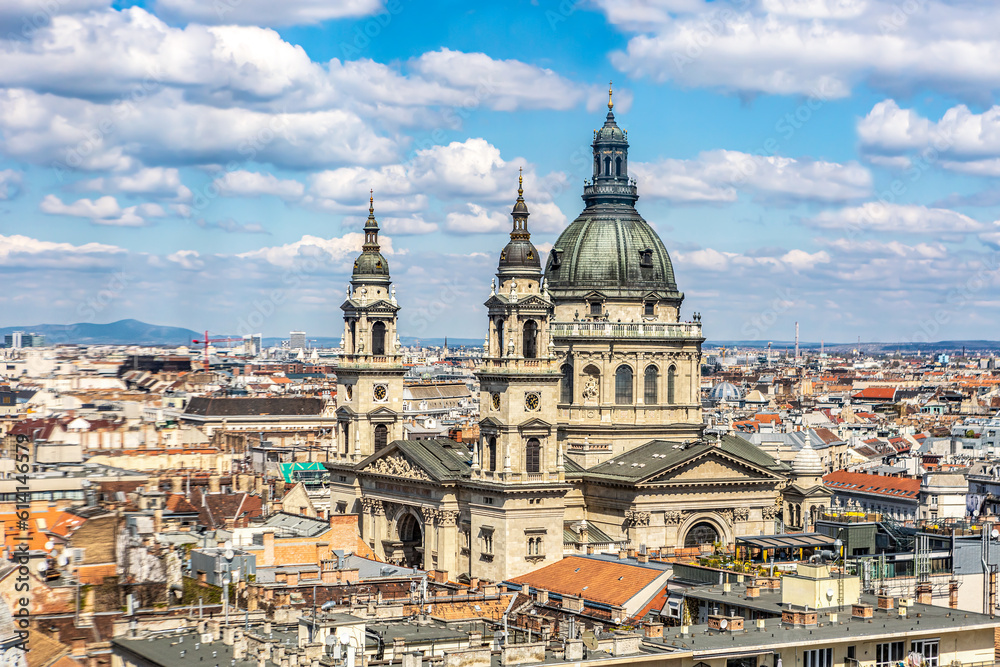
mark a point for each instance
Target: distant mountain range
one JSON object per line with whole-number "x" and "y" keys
{"x": 122, "y": 332}
{"x": 134, "y": 332}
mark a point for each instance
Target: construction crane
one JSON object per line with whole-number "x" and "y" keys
{"x": 206, "y": 341}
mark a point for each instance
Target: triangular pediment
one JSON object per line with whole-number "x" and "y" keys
{"x": 490, "y": 422}
{"x": 593, "y": 294}
{"x": 534, "y": 423}
{"x": 345, "y": 411}
{"x": 383, "y": 411}
{"x": 378, "y": 305}
{"x": 712, "y": 466}
{"x": 392, "y": 462}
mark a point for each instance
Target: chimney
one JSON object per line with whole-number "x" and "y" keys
{"x": 886, "y": 602}
{"x": 643, "y": 558}
{"x": 268, "y": 549}
{"x": 753, "y": 591}
{"x": 328, "y": 571}
{"x": 654, "y": 630}
{"x": 924, "y": 593}
{"x": 213, "y": 484}
{"x": 862, "y": 611}
{"x": 541, "y": 597}
{"x": 157, "y": 520}
{"x": 573, "y": 604}
{"x": 177, "y": 484}
{"x": 621, "y": 554}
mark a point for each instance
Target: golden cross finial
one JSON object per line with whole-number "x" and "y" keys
{"x": 371, "y": 201}
{"x": 611, "y": 104}
{"x": 520, "y": 181}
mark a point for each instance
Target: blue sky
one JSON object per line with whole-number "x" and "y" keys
{"x": 207, "y": 164}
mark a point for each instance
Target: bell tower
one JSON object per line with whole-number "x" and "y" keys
{"x": 519, "y": 380}
{"x": 370, "y": 369}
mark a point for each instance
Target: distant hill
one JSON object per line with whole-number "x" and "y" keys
{"x": 122, "y": 332}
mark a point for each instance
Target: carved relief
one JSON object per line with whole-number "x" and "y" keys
{"x": 591, "y": 390}
{"x": 673, "y": 517}
{"x": 741, "y": 514}
{"x": 448, "y": 517}
{"x": 636, "y": 518}
{"x": 397, "y": 466}
{"x": 373, "y": 506}
{"x": 431, "y": 514}
{"x": 771, "y": 512}
{"x": 727, "y": 514}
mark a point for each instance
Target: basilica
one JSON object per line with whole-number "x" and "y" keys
{"x": 591, "y": 433}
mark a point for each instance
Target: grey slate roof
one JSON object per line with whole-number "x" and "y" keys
{"x": 649, "y": 460}
{"x": 239, "y": 407}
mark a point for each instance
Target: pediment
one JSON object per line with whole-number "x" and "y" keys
{"x": 594, "y": 294}
{"x": 391, "y": 462}
{"x": 490, "y": 422}
{"x": 377, "y": 305}
{"x": 713, "y": 467}
{"x": 383, "y": 411}
{"x": 534, "y": 424}
{"x": 345, "y": 411}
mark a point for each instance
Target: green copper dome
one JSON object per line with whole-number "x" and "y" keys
{"x": 613, "y": 252}
{"x": 371, "y": 266}
{"x": 609, "y": 248}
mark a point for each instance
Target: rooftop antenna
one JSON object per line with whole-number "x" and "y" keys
{"x": 796, "y": 340}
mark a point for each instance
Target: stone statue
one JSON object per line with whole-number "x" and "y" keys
{"x": 591, "y": 390}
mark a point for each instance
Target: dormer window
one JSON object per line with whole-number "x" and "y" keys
{"x": 646, "y": 257}
{"x": 556, "y": 258}
{"x": 650, "y": 310}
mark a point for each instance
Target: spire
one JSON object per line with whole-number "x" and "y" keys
{"x": 371, "y": 226}
{"x": 611, "y": 104}
{"x": 519, "y": 230}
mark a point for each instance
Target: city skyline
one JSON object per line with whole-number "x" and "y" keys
{"x": 210, "y": 169}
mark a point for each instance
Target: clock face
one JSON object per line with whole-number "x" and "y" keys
{"x": 380, "y": 392}
{"x": 496, "y": 401}
{"x": 532, "y": 401}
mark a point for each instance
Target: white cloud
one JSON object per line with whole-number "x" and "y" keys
{"x": 717, "y": 176}
{"x": 890, "y": 248}
{"x": 404, "y": 226}
{"x": 710, "y": 259}
{"x": 10, "y": 183}
{"x": 254, "y": 184}
{"x": 103, "y": 211}
{"x": 20, "y": 19}
{"x": 477, "y": 220}
{"x": 312, "y": 249}
{"x": 152, "y": 181}
{"x": 823, "y": 48}
{"x": 897, "y": 218}
{"x": 188, "y": 259}
{"x": 268, "y": 12}
{"x": 26, "y": 252}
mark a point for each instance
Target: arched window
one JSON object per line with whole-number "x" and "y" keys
{"x": 623, "y": 385}
{"x": 530, "y": 343}
{"x": 533, "y": 456}
{"x": 347, "y": 437}
{"x": 381, "y": 436}
{"x": 491, "y": 451}
{"x": 650, "y": 382}
{"x": 607, "y": 166}
{"x": 378, "y": 338}
{"x": 618, "y": 166}
{"x": 500, "y": 350}
{"x": 671, "y": 374}
{"x": 566, "y": 386}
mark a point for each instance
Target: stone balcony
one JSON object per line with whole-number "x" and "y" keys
{"x": 632, "y": 330}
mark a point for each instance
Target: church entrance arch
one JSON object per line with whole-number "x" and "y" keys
{"x": 703, "y": 528}
{"x": 409, "y": 543}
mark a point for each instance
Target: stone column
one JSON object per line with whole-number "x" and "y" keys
{"x": 448, "y": 543}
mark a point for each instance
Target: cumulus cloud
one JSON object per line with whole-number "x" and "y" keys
{"x": 103, "y": 211}
{"x": 243, "y": 183}
{"x": 822, "y": 48}
{"x": 898, "y": 219}
{"x": 314, "y": 248}
{"x": 476, "y": 220}
{"x": 26, "y": 252}
{"x": 718, "y": 176}
{"x": 266, "y": 12}
{"x": 158, "y": 182}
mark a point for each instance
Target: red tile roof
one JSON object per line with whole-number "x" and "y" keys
{"x": 609, "y": 582}
{"x": 877, "y": 393}
{"x": 894, "y": 487}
